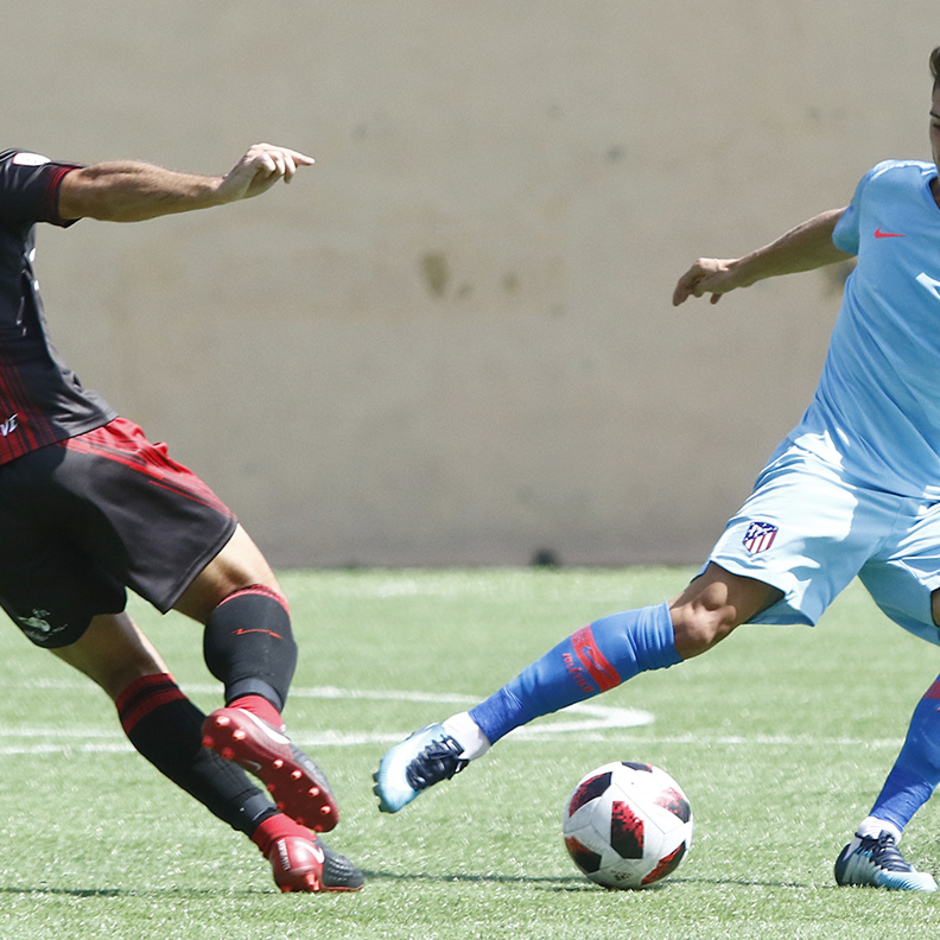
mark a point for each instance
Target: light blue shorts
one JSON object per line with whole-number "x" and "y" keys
{"x": 807, "y": 531}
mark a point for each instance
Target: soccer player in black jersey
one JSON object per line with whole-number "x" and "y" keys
{"x": 89, "y": 507}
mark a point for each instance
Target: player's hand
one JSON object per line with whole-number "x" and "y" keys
{"x": 261, "y": 167}
{"x": 713, "y": 276}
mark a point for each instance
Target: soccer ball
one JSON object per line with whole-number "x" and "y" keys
{"x": 627, "y": 825}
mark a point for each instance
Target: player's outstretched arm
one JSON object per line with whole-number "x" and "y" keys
{"x": 131, "y": 191}
{"x": 804, "y": 248}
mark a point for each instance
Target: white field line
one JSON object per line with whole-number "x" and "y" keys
{"x": 590, "y": 721}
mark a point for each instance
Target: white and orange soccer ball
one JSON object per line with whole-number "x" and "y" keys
{"x": 627, "y": 825}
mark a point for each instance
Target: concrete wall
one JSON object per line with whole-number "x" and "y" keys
{"x": 451, "y": 341}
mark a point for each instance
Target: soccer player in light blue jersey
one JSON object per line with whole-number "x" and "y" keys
{"x": 854, "y": 489}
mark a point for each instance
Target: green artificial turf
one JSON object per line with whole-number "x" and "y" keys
{"x": 781, "y": 738}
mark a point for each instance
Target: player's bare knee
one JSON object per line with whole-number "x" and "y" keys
{"x": 713, "y": 605}
{"x": 698, "y": 626}
{"x": 239, "y": 565}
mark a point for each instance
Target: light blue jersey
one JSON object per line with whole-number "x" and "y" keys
{"x": 855, "y": 487}
{"x": 876, "y": 412}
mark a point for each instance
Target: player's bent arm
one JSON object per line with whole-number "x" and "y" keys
{"x": 131, "y": 191}
{"x": 804, "y": 248}
{"x": 128, "y": 191}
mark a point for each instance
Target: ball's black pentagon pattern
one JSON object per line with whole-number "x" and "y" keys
{"x": 588, "y": 861}
{"x": 677, "y": 804}
{"x": 626, "y": 831}
{"x": 589, "y": 790}
{"x": 635, "y": 765}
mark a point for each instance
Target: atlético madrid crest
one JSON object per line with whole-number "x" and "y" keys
{"x": 759, "y": 537}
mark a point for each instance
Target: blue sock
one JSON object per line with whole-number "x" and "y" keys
{"x": 916, "y": 772}
{"x": 593, "y": 660}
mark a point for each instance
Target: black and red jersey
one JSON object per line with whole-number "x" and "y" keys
{"x": 41, "y": 400}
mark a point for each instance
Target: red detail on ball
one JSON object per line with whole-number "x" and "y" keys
{"x": 589, "y": 790}
{"x": 626, "y": 831}
{"x": 666, "y": 865}
{"x": 675, "y": 803}
{"x": 582, "y": 856}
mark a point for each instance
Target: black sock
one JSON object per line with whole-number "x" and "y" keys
{"x": 249, "y": 645}
{"x": 166, "y": 728}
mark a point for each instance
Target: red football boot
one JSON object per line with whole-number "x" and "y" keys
{"x": 301, "y": 862}
{"x": 298, "y": 786}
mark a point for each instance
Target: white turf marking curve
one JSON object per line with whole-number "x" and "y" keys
{"x": 590, "y": 721}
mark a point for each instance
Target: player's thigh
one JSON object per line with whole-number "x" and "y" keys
{"x": 48, "y": 587}
{"x": 238, "y": 565}
{"x": 805, "y": 531}
{"x": 904, "y": 580}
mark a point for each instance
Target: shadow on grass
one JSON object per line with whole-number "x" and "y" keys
{"x": 566, "y": 883}
{"x": 39, "y": 891}
{"x": 751, "y": 883}
{"x": 573, "y": 882}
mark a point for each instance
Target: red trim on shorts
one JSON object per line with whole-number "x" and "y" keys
{"x": 124, "y": 442}
{"x": 260, "y": 590}
{"x": 934, "y": 690}
{"x": 143, "y": 696}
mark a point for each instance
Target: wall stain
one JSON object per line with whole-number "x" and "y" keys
{"x": 436, "y": 273}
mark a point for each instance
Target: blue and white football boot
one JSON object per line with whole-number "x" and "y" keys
{"x": 421, "y": 760}
{"x": 878, "y": 862}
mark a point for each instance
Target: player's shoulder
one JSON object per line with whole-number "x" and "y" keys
{"x": 901, "y": 170}
{"x": 20, "y": 157}
{"x": 18, "y": 165}
{"x": 894, "y": 179}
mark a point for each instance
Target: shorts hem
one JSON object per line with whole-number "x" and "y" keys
{"x": 167, "y": 603}
{"x": 783, "y": 612}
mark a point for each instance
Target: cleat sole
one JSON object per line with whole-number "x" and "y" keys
{"x": 295, "y": 783}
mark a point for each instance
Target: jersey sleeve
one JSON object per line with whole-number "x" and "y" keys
{"x": 845, "y": 236}
{"x": 29, "y": 188}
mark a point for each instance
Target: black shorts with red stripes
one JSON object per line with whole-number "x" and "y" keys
{"x": 88, "y": 517}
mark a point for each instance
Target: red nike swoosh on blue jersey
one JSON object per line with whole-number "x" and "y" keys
{"x": 880, "y": 234}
